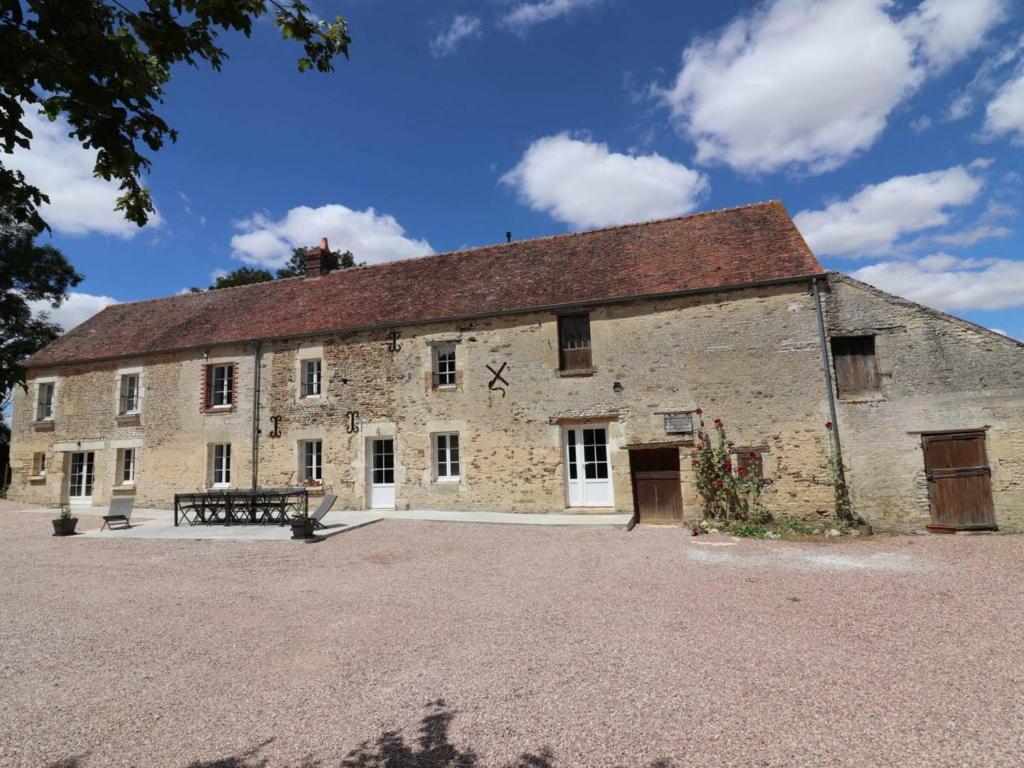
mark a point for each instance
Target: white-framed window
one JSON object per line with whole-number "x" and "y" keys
{"x": 128, "y": 402}
{"x": 126, "y": 466}
{"x": 312, "y": 380}
{"x": 444, "y": 366}
{"x": 39, "y": 464}
{"x": 311, "y": 461}
{"x": 220, "y": 385}
{"x": 446, "y": 456}
{"x": 44, "y": 400}
{"x": 221, "y": 464}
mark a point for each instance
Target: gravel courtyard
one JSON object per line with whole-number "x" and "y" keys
{"x": 430, "y": 644}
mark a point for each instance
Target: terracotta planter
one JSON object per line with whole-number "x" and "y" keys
{"x": 302, "y": 528}
{"x": 64, "y": 526}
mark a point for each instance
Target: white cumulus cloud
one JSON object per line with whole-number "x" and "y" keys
{"x": 948, "y": 283}
{"x": 1004, "y": 114}
{"x": 80, "y": 203}
{"x": 525, "y": 15}
{"x": 872, "y": 220}
{"x": 584, "y": 184}
{"x": 75, "y": 310}
{"x": 806, "y": 84}
{"x": 446, "y": 42}
{"x": 372, "y": 237}
{"x": 948, "y": 30}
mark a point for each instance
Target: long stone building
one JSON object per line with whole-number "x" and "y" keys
{"x": 562, "y": 373}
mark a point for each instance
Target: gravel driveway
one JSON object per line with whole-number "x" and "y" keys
{"x": 432, "y": 644}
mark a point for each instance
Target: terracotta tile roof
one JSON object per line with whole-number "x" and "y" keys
{"x": 716, "y": 249}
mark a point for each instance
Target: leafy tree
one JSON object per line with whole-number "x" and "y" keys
{"x": 296, "y": 266}
{"x": 104, "y": 66}
{"x": 28, "y": 272}
{"x": 242, "y": 276}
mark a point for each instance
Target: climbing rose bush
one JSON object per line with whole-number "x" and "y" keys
{"x": 727, "y": 493}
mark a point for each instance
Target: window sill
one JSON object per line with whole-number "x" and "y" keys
{"x": 128, "y": 418}
{"x": 37, "y": 479}
{"x": 445, "y": 387}
{"x": 577, "y": 372}
{"x": 861, "y": 397}
{"x": 124, "y": 489}
{"x": 448, "y": 480}
{"x": 43, "y": 425}
{"x": 307, "y": 398}
{"x": 218, "y": 409}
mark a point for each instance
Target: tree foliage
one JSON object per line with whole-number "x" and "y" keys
{"x": 28, "y": 272}
{"x": 241, "y": 276}
{"x": 296, "y": 266}
{"x": 103, "y": 66}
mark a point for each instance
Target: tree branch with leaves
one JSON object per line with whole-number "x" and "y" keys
{"x": 103, "y": 66}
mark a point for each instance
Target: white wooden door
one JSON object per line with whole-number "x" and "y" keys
{"x": 588, "y": 472}
{"x": 382, "y": 473}
{"x": 81, "y": 477}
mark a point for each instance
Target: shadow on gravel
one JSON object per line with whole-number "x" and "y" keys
{"x": 430, "y": 749}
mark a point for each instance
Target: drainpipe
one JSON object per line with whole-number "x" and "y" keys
{"x": 257, "y": 357}
{"x": 823, "y": 339}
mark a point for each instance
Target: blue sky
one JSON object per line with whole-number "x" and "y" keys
{"x": 893, "y": 132}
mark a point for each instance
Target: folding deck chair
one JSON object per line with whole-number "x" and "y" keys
{"x": 323, "y": 509}
{"x": 120, "y": 512}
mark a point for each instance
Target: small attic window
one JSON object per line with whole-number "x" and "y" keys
{"x": 855, "y": 365}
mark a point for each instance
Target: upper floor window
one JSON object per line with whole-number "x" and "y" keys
{"x": 311, "y": 378}
{"x": 444, "y": 365}
{"x": 129, "y": 400}
{"x": 44, "y": 401}
{"x": 574, "y": 343}
{"x": 221, "y": 464}
{"x": 855, "y": 364}
{"x": 220, "y": 385}
{"x": 311, "y": 461}
{"x": 446, "y": 453}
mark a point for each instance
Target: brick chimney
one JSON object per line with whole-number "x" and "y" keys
{"x": 316, "y": 262}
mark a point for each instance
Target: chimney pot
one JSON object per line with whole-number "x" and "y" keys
{"x": 316, "y": 262}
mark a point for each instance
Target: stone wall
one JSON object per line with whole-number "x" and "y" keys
{"x": 749, "y": 357}
{"x": 938, "y": 373}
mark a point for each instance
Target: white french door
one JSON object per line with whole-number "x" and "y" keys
{"x": 382, "y": 473}
{"x": 81, "y": 477}
{"x": 588, "y": 473}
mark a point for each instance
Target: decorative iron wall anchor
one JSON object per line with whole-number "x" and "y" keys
{"x": 276, "y": 421}
{"x": 393, "y": 337}
{"x": 493, "y": 385}
{"x": 353, "y": 422}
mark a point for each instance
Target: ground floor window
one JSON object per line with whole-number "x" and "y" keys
{"x": 311, "y": 465}
{"x": 221, "y": 474}
{"x": 39, "y": 464}
{"x": 446, "y": 454}
{"x": 126, "y": 466}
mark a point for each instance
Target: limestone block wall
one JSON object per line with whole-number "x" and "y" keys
{"x": 171, "y": 433}
{"x": 750, "y": 358}
{"x": 938, "y": 373}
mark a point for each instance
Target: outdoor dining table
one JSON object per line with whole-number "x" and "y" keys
{"x": 239, "y": 507}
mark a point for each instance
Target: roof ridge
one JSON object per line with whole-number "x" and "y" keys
{"x": 545, "y": 238}
{"x": 486, "y": 247}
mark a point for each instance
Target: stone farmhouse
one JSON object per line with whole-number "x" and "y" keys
{"x": 555, "y": 374}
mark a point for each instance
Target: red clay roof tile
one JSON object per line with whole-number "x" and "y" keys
{"x": 716, "y": 249}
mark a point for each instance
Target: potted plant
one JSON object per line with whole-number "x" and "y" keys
{"x": 302, "y": 524}
{"x": 65, "y": 524}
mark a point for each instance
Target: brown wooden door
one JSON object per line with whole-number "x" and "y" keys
{"x": 959, "y": 481}
{"x": 656, "y": 491}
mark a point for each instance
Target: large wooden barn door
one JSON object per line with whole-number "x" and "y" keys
{"x": 959, "y": 481}
{"x": 656, "y": 490}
